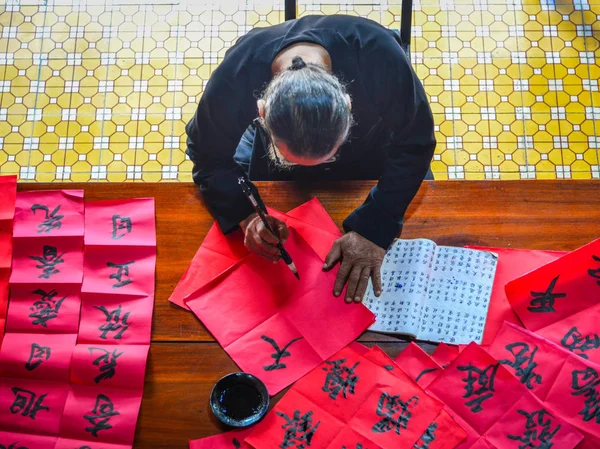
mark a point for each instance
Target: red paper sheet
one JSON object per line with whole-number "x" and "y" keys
{"x": 12, "y": 440}
{"x": 559, "y": 289}
{"x": 8, "y": 192}
{"x": 578, "y": 334}
{"x": 418, "y": 365}
{"x": 512, "y": 263}
{"x": 228, "y": 440}
{"x": 445, "y": 354}
{"x": 349, "y": 439}
{"x": 533, "y": 360}
{"x": 219, "y": 253}
{"x": 279, "y": 328}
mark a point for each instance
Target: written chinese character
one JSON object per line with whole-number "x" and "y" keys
{"x": 37, "y": 356}
{"x": 51, "y": 219}
{"x": 299, "y": 430}
{"x": 46, "y": 308}
{"x": 107, "y": 363}
{"x": 114, "y": 322}
{"x": 584, "y": 383}
{"x": 427, "y": 438}
{"x": 120, "y": 224}
{"x": 538, "y": 432}
{"x": 543, "y": 302}
{"x": 279, "y": 353}
{"x": 424, "y": 372}
{"x": 395, "y": 413}
{"x": 523, "y": 363}
{"x": 479, "y": 383}
{"x": 101, "y": 414}
{"x": 27, "y": 403}
{"x": 48, "y": 262}
{"x": 340, "y": 378}
{"x": 579, "y": 344}
{"x": 122, "y": 270}
{"x": 236, "y": 443}
{"x": 595, "y": 273}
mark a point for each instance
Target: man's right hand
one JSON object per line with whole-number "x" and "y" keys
{"x": 259, "y": 239}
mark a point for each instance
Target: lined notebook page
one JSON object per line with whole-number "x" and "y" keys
{"x": 458, "y": 297}
{"x": 405, "y": 275}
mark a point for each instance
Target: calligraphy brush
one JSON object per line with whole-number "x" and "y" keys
{"x": 263, "y": 216}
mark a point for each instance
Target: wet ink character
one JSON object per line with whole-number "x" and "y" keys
{"x": 114, "y": 322}
{"x": 575, "y": 342}
{"x": 395, "y": 413}
{"x": 584, "y": 383}
{"x": 299, "y": 430}
{"x": 427, "y": 438}
{"x": 543, "y": 302}
{"x": 100, "y": 416}
{"x": 479, "y": 383}
{"x": 37, "y": 356}
{"x": 424, "y": 372}
{"x": 595, "y": 273}
{"x": 107, "y": 363}
{"x": 46, "y": 308}
{"x": 52, "y": 220}
{"x": 236, "y": 443}
{"x": 523, "y": 363}
{"x": 538, "y": 433}
{"x": 120, "y": 224}
{"x": 340, "y": 378}
{"x": 122, "y": 270}
{"x": 48, "y": 262}
{"x": 279, "y": 353}
{"x": 27, "y": 403}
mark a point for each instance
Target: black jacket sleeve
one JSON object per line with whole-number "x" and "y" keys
{"x": 399, "y": 95}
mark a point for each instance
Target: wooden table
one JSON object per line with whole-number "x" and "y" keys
{"x": 185, "y": 361}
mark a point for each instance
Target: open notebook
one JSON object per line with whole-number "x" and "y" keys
{"x": 435, "y": 293}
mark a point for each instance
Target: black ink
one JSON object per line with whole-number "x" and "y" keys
{"x": 114, "y": 322}
{"x": 13, "y": 446}
{"x": 107, "y": 363}
{"x": 584, "y": 383}
{"x": 595, "y": 273}
{"x": 340, "y": 378}
{"x": 48, "y": 262}
{"x": 102, "y": 412}
{"x": 389, "y": 367}
{"x": 122, "y": 270}
{"x": 27, "y": 403}
{"x": 279, "y": 353}
{"x": 427, "y": 438}
{"x": 120, "y": 223}
{"x": 299, "y": 430}
{"x": 479, "y": 383}
{"x": 388, "y": 407}
{"x": 240, "y": 401}
{"x": 51, "y": 219}
{"x": 544, "y": 301}
{"x": 537, "y": 433}
{"x": 523, "y": 363}
{"x": 46, "y": 308}
{"x": 37, "y": 356}
{"x": 579, "y": 344}
{"x": 236, "y": 444}
{"x": 358, "y": 446}
{"x": 425, "y": 371}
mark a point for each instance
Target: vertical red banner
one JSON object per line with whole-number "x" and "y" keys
{"x": 8, "y": 191}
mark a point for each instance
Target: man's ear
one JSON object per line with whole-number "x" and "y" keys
{"x": 261, "y": 108}
{"x": 349, "y": 100}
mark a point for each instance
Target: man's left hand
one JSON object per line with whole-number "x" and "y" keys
{"x": 360, "y": 259}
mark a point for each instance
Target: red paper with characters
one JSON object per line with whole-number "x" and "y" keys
{"x": 445, "y": 354}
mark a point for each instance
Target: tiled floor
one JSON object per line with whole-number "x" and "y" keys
{"x": 101, "y": 90}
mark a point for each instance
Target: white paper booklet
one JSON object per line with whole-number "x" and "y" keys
{"x": 434, "y": 293}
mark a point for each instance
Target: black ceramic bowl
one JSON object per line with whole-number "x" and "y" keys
{"x": 239, "y": 400}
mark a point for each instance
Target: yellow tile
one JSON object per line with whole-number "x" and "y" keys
{"x": 151, "y": 176}
{"x": 581, "y": 174}
{"x": 81, "y": 177}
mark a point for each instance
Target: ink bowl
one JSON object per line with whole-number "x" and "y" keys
{"x": 239, "y": 400}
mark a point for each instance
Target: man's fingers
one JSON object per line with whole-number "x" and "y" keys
{"x": 376, "y": 276}
{"x": 259, "y": 250}
{"x": 333, "y": 256}
{"x": 266, "y": 235}
{"x": 283, "y": 231}
{"x": 341, "y": 278}
{"x": 362, "y": 284}
{"x": 353, "y": 281}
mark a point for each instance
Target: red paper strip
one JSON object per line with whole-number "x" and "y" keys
{"x": 533, "y": 360}
{"x": 418, "y": 365}
{"x": 481, "y": 443}
{"x": 443, "y": 433}
{"x": 66, "y": 443}
{"x": 291, "y": 325}
{"x": 559, "y": 289}
{"x": 445, "y": 354}
{"x": 11, "y": 440}
{"x": 220, "y": 253}
{"x": 359, "y": 348}
{"x": 512, "y": 263}
{"x": 349, "y": 439}
{"x": 8, "y": 192}
{"x": 578, "y": 334}
{"x": 228, "y": 440}
{"x": 379, "y": 357}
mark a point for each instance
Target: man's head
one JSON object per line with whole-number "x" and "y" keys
{"x": 307, "y": 114}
